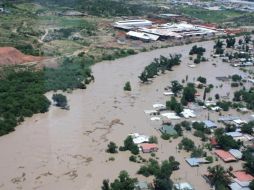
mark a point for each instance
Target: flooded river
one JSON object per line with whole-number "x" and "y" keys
{"x": 66, "y": 149}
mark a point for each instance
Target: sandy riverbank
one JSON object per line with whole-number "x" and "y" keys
{"x": 66, "y": 149}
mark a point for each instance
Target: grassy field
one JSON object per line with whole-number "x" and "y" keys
{"x": 209, "y": 15}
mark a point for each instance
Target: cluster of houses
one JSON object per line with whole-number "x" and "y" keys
{"x": 147, "y": 30}
{"x": 159, "y": 112}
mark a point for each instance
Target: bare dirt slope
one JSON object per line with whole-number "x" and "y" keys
{"x": 12, "y": 56}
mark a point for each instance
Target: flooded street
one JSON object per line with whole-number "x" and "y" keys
{"x": 66, "y": 149}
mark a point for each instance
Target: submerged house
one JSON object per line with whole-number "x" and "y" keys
{"x": 209, "y": 124}
{"x": 241, "y": 181}
{"x": 196, "y": 161}
{"x": 147, "y": 147}
{"x": 168, "y": 129}
{"x": 225, "y": 156}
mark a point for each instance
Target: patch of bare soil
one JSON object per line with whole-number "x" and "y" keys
{"x": 12, "y": 56}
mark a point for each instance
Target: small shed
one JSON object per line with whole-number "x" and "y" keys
{"x": 168, "y": 129}
{"x": 147, "y": 147}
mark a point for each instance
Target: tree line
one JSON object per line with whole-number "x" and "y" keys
{"x": 159, "y": 65}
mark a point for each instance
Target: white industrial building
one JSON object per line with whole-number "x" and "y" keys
{"x": 130, "y": 24}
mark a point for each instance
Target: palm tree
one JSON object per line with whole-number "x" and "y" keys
{"x": 218, "y": 176}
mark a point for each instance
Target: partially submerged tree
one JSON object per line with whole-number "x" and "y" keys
{"x": 127, "y": 86}
{"x": 176, "y": 87}
{"x": 60, "y": 100}
{"x": 112, "y": 148}
{"x": 123, "y": 182}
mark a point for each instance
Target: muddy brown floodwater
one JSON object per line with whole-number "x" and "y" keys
{"x": 66, "y": 149}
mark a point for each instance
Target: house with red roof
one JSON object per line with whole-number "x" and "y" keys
{"x": 241, "y": 180}
{"x": 147, "y": 147}
{"x": 225, "y": 155}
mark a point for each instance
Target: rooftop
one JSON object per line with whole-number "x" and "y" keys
{"x": 243, "y": 176}
{"x": 224, "y": 155}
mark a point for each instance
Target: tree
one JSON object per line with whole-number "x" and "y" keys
{"x": 105, "y": 185}
{"x": 112, "y": 148}
{"x": 218, "y": 44}
{"x": 251, "y": 185}
{"x": 240, "y": 41}
{"x": 162, "y": 184}
{"x": 175, "y": 165}
{"x": 227, "y": 142}
{"x": 230, "y": 41}
{"x": 143, "y": 77}
{"x": 218, "y": 177}
{"x": 187, "y": 144}
{"x": 153, "y": 139}
{"x": 236, "y": 78}
{"x": 249, "y": 164}
{"x": 248, "y": 128}
{"x": 127, "y": 86}
{"x": 123, "y": 182}
{"x": 247, "y": 39}
{"x": 60, "y": 100}
{"x": 178, "y": 129}
{"x": 176, "y": 87}
{"x": 129, "y": 145}
{"x": 174, "y": 105}
{"x": 201, "y": 79}
{"x": 189, "y": 93}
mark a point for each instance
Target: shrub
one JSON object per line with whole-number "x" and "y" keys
{"x": 201, "y": 79}
{"x": 127, "y": 86}
{"x": 234, "y": 84}
{"x": 153, "y": 139}
{"x": 60, "y": 100}
{"x": 112, "y": 148}
{"x": 187, "y": 144}
{"x": 133, "y": 158}
{"x": 165, "y": 136}
{"x": 209, "y": 159}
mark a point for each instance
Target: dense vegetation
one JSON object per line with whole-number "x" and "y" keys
{"x": 247, "y": 96}
{"x": 73, "y": 72}
{"x": 22, "y": 89}
{"x": 21, "y": 95}
{"x": 162, "y": 172}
